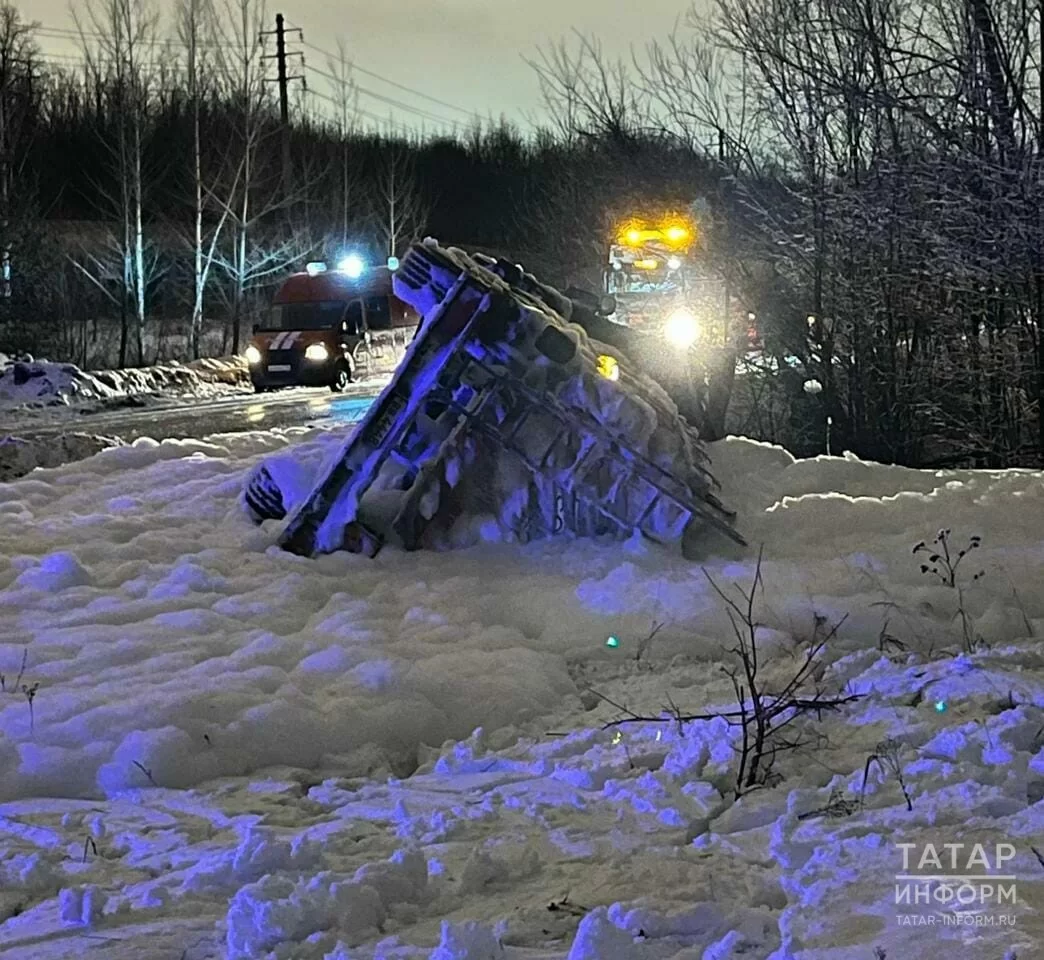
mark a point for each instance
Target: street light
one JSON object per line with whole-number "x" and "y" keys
{"x": 814, "y": 388}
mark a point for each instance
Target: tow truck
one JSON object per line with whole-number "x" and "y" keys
{"x": 680, "y": 310}
{"x": 655, "y": 275}
{"x": 326, "y": 328}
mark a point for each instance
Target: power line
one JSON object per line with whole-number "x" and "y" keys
{"x": 60, "y": 33}
{"x": 69, "y": 60}
{"x": 63, "y": 33}
{"x": 394, "y": 83}
{"x": 425, "y": 114}
{"x": 364, "y": 113}
{"x": 79, "y": 60}
{"x": 76, "y": 58}
{"x": 66, "y": 60}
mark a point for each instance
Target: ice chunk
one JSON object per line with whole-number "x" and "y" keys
{"x": 598, "y": 938}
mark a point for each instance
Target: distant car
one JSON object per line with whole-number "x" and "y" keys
{"x": 326, "y": 328}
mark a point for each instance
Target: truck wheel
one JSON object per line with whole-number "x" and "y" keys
{"x": 258, "y": 388}
{"x": 342, "y": 377}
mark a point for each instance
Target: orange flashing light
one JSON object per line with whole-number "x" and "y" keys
{"x": 608, "y": 367}
{"x": 672, "y": 233}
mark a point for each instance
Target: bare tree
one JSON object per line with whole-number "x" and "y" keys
{"x": 898, "y": 201}
{"x": 346, "y": 105}
{"x": 252, "y": 192}
{"x": 588, "y": 95}
{"x": 402, "y": 211}
{"x": 118, "y": 38}
{"x": 195, "y": 31}
{"x": 18, "y": 56}
{"x": 700, "y": 93}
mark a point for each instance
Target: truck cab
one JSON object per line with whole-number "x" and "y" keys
{"x": 650, "y": 269}
{"x": 326, "y": 328}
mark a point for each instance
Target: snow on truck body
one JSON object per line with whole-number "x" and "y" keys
{"x": 501, "y": 408}
{"x": 328, "y": 327}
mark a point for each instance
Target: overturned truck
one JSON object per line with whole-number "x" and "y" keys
{"x": 503, "y": 419}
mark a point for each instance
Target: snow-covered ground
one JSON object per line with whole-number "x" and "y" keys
{"x": 19, "y": 456}
{"x": 33, "y": 383}
{"x": 249, "y": 754}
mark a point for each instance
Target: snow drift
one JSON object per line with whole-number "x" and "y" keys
{"x": 19, "y": 456}
{"x": 26, "y": 381}
{"x": 233, "y": 751}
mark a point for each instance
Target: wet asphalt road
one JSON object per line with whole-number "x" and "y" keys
{"x": 196, "y": 419}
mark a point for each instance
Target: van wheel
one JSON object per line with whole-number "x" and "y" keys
{"x": 258, "y": 388}
{"x": 341, "y": 380}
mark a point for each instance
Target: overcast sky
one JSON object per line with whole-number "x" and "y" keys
{"x": 468, "y": 53}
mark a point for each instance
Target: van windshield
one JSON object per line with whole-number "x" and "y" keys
{"x": 317, "y": 315}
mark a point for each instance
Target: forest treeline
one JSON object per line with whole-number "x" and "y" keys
{"x": 866, "y": 173}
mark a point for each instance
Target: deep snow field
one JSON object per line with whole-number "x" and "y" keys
{"x": 210, "y": 748}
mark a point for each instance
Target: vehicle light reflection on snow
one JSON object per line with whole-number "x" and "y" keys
{"x": 349, "y": 409}
{"x": 255, "y": 413}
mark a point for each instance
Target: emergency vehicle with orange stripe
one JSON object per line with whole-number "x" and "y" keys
{"x": 326, "y": 328}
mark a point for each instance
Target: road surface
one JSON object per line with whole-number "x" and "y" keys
{"x": 195, "y": 419}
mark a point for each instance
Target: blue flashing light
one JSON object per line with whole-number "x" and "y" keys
{"x": 351, "y": 266}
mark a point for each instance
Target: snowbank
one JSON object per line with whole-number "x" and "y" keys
{"x": 283, "y": 660}
{"x": 19, "y": 456}
{"x": 253, "y": 755}
{"x": 33, "y": 382}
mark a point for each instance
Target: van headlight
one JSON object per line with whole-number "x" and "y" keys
{"x": 681, "y": 329}
{"x": 252, "y": 354}
{"x": 316, "y": 352}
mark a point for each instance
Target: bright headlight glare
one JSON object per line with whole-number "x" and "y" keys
{"x": 681, "y": 328}
{"x": 252, "y": 354}
{"x": 316, "y": 351}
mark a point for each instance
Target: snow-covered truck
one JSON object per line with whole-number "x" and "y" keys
{"x": 327, "y": 327}
{"x": 502, "y": 416}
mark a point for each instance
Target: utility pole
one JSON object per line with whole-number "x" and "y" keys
{"x": 283, "y": 79}
{"x": 284, "y": 99}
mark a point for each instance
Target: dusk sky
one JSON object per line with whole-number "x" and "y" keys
{"x": 467, "y": 53}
